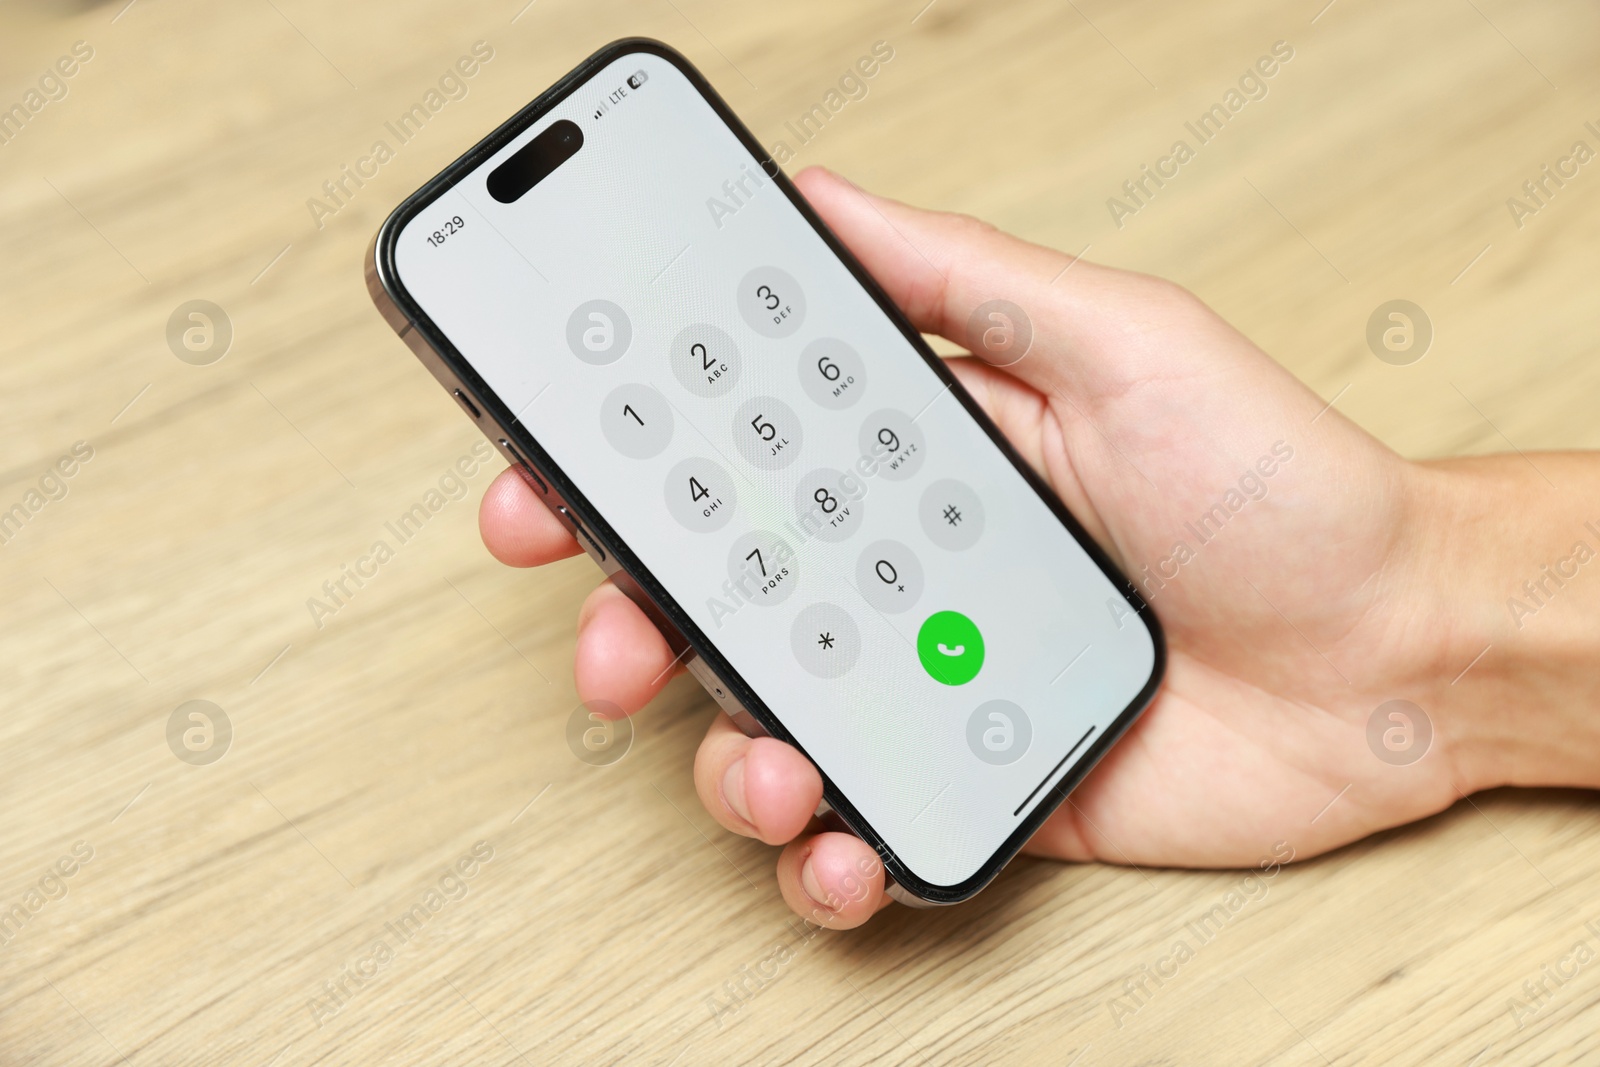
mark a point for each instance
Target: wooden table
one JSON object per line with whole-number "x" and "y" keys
{"x": 231, "y": 911}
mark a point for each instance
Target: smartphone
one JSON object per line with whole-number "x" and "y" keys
{"x": 626, "y": 294}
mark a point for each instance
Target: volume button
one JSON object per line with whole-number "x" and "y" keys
{"x": 583, "y": 535}
{"x": 516, "y": 457}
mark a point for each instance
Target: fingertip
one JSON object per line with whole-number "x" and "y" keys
{"x": 516, "y": 526}
{"x": 620, "y": 657}
{"x": 832, "y": 879}
{"x": 827, "y": 189}
{"x": 781, "y": 789}
{"x": 814, "y": 174}
{"x": 759, "y": 787}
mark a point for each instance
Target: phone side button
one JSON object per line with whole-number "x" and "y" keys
{"x": 584, "y": 537}
{"x": 594, "y": 546}
{"x": 527, "y": 468}
{"x": 466, "y": 405}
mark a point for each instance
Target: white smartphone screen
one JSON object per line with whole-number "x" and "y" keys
{"x": 765, "y": 440}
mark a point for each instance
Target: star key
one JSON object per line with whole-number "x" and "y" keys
{"x": 825, "y": 640}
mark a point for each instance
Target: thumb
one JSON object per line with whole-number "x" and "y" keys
{"x": 1057, "y": 323}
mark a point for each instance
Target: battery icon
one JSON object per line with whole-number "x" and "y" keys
{"x": 637, "y": 78}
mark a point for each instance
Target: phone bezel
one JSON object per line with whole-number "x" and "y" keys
{"x": 489, "y": 403}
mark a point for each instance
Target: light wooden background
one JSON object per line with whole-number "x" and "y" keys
{"x": 429, "y": 712}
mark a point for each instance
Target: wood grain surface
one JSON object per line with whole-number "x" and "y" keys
{"x": 418, "y": 732}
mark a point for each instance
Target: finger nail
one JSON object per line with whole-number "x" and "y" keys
{"x": 813, "y": 888}
{"x": 733, "y": 791}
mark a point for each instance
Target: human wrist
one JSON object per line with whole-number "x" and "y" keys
{"x": 1503, "y": 557}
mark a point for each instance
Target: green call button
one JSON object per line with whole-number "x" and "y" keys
{"x": 950, "y": 648}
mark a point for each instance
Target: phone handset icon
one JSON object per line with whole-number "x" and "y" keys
{"x": 950, "y": 648}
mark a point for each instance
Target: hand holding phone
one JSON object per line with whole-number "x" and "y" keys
{"x": 1191, "y": 457}
{"x": 1254, "y": 732}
